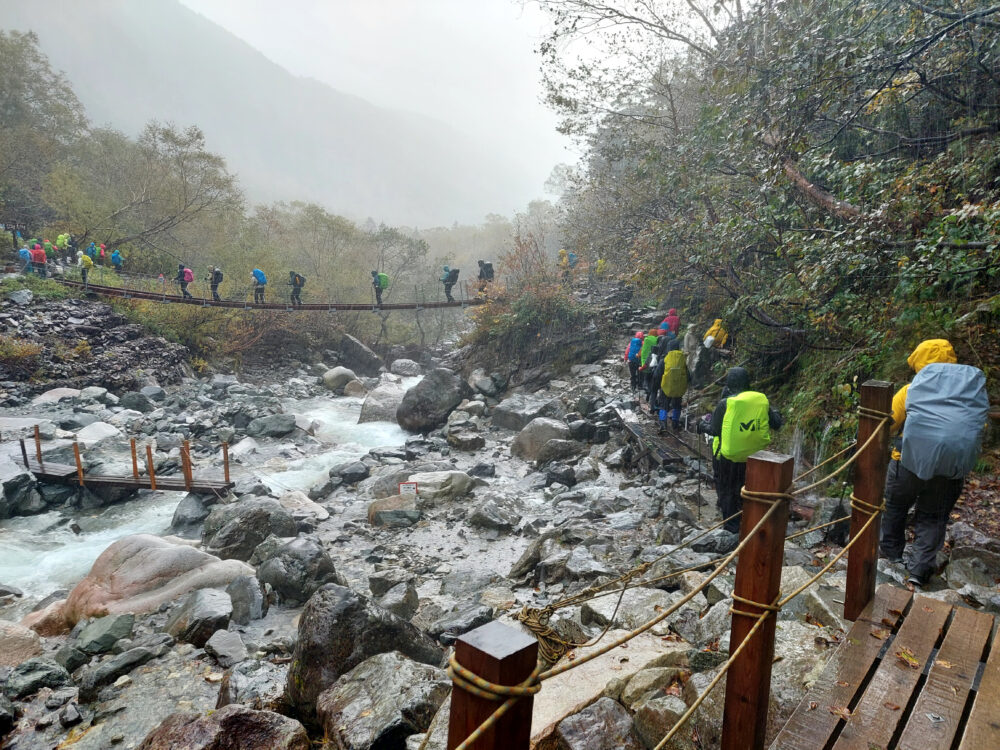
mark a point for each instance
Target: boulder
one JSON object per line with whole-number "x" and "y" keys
{"x": 137, "y": 574}
{"x": 428, "y": 404}
{"x": 559, "y": 450}
{"x": 338, "y": 377}
{"x": 137, "y": 402}
{"x": 96, "y": 432}
{"x": 189, "y": 515}
{"x": 338, "y": 630}
{"x": 655, "y": 716}
{"x": 359, "y": 357}
{"x": 101, "y": 634}
{"x": 517, "y": 411}
{"x": 109, "y": 670}
{"x": 199, "y": 615}
{"x": 302, "y": 508}
{"x": 297, "y": 569}
{"x": 530, "y": 440}
{"x": 406, "y": 368}
{"x": 21, "y": 296}
{"x": 401, "y": 600}
{"x": 55, "y": 395}
{"x": 17, "y": 644}
{"x": 603, "y": 725}
{"x": 449, "y": 627}
{"x": 355, "y": 389}
{"x": 441, "y": 486}
{"x": 465, "y": 440}
{"x": 382, "y": 403}
{"x": 396, "y": 512}
{"x": 227, "y": 648}
{"x": 257, "y": 684}
{"x": 248, "y": 600}
{"x": 234, "y": 531}
{"x": 273, "y": 425}
{"x": 385, "y": 482}
{"x": 231, "y": 727}
{"x": 351, "y": 472}
{"x": 381, "y": 702}
{"x": 8, "y": 715}
{"x": 153, "y": 392}
{"x": 496, "y": 512}
{"x": 32, "y": 675}
{"x": 19, "y": 494}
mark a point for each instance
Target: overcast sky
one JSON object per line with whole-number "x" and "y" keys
{"x": 469, "y": 62}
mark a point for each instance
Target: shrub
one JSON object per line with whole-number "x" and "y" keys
{"x": 18, "y": 357}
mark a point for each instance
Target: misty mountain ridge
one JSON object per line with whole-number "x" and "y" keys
{"x": 287, "y": 137}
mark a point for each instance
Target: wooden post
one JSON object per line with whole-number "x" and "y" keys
{"x": 79, "y": 463}
{"x": 149, "y": 467}
{"x": 225, "y": 461}
{"x": 135, "y": 460}
{"x": 186, "y": 464}
{"x": 38, "y": 445}
{"x": 504, "y": 656}
{"x": 869, "y": 486}
{"x": 758, "y": 579}
{"x": 24, "y": 453}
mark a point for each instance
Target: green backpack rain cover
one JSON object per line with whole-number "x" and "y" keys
{"x": 383, "y": 281}
{"x": 746, "y": 428}
{"x": 675, "y": 377}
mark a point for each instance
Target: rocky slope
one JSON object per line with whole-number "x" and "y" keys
{"x": 315, "y": 600}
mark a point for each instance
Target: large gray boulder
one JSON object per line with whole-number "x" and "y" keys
{"x": 428, "y": 404}
{"x": 532, "y": 438}
{"x": 296, "y": 569}
{"x": 109, "y": 670}
{"x": 31, "y": 676}
{"x": 233, "y": 532}
{"x": 515, "y": 412}
{"x": 359, "y": 357}
{"x": 17, "y": 644}
{"x": 199, "y": 615}
{"x": 273, "y": 425}
{"x": 20, "y": 495}
{"x": 603, "y": 725}
{"x": 381, "y": 702}
{"x": 382, "y": 403}
{"x": 248, "y": 600}
{"x": 338, "y": 630}
{"x": 336, "y": 378}
{"x": 405, "y": 368}
{"x": 104, "y": 632}
{"x": 231, "y": 727}
{"x": 257, "y": 684}
{"x": 189, "y": 515}
{"x": 227, "y": 647}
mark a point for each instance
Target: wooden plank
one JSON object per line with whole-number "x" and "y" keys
{"x": 874, "y": 721}
{"x": 811, "y": 729}
{"x": 982, "y": 731}
{"x": 758, "y": 579}
{"x": 934, "y": 720}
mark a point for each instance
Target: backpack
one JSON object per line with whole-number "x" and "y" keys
{"x": 259, "y": 275}
{"x": 300, "y": 280}
{"x": 453, "y": 276}
{"x": 675, "y": 376}
{"x": 383, "y": 281}
{"x": 946, "y": 409}
{"x": 188, "y": 275}
{"x": 746, "y": 427}
{"x": 488, "y": 271}
{"x": 217, "y": 277}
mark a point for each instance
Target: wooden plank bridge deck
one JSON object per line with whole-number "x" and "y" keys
{"x": 913, "y": 673}
{"x": 57, "y": 473}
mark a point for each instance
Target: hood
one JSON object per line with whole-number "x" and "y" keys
{"x": 931, "y": 351}
{"x": 737, "y": 380}
{"x": 640, "y": 335}
{"x": 673, "y": 346}
{"x": 672, "y": 311}
{"x": 374, "y": 273}
{"x": 654, "y": 332}
{"x": 446, "y": 268}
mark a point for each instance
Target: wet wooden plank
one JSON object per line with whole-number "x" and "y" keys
{"x": 50, "y": 469}
{"x": 880, "y": 711}
{"x": 811, "y": 729}
{"x": 935, "y": 718}
{"x": 982, "y": 732}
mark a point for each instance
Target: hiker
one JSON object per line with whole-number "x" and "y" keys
{"x": 716, "y": 335}
{"x": 117, "y": 261}
{"x": 25, "y": 255}
{"x": 259, "y": 286}
{"x": 92, "y": 251}
{"x": 673, "y": 384}
{"x": 449, "y": 279}
{"x": 296, "y": 281}
{"x": 632, "y": 358}
{"x": 101, "y": 253}
{"x": 655, "y": 367}
{"x": 741, "y": 424}
{"x": 485, "y": 276}
{"x": 941, "y": 415}
{"x": 85, "y": 264}
{"x": 380, "y": 282}
{"x": 38, "y": 260}
{"x": 214, "y": 279}
{"x": 184, "y": 277}
{"x": 672, "y": 322}
{"x": 648, "y": 342}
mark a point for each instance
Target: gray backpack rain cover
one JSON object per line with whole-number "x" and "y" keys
{"x": 946, "y": 409}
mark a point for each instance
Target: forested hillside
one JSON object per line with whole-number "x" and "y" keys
{"x": 287, "y": 138}
{"x": 823, "y": 176}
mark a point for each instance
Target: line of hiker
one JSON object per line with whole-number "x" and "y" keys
{"x": 937, "y": 428}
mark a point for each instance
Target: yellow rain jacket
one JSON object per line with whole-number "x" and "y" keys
{"x": 927, "y": 352}
{"x": 718, "y": 332}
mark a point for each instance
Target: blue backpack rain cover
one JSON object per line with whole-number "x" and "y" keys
{"x": 946, "y": 410}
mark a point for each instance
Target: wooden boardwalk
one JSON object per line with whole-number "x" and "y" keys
{"x": 913, "y": 673}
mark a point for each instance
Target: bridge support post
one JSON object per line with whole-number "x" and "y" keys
{"x": 150, "y": 469}
{"x": 79, "y": 463}
{"x": 504, "y": 656}
{"x": 758, "y": 579}
{"x": 135, "y": 460}
{"x": 186, "y": 464}
{"x": 38, "y": 445}
{"x": 225, "y": 460}
{"x": 869, "y": 487}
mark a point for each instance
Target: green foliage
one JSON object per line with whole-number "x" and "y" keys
{"x": 45, "y": 289}
{"x": 19, "y": 358}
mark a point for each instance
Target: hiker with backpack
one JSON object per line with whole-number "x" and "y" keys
{"x": 449, "y": 279}
{"x": 214, "y": 279}
{"x": 648, "y": 342}
{"x": 117, "y": 261}
{"x": 939, "y": 419}
{"x": 673, "y": 384}
{"x": 741, "y": 425}
{"x": 184, "y": 277}
{"x": 485, "y": 277}
{"x": 672, "y": 322}
{"x": 259, "y": 285}
{"x": 85, "y": 264}
{"x": 296, "y": 281}
{"x": 380, "y": 282}
{"x": 632, "y": 358}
